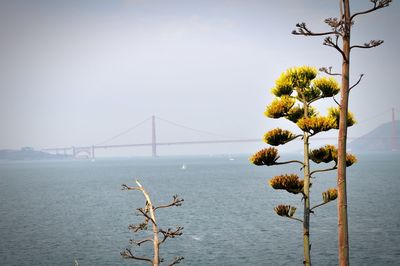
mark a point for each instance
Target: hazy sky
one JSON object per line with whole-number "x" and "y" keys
{"x": 80, "y": 72}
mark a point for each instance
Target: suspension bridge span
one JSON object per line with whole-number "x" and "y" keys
{"x": 90, "y": 150}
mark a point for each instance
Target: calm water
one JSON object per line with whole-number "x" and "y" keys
{"x": 54, "y": 212}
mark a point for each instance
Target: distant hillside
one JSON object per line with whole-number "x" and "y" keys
{"x": 378, "y": 140}
{"x": 28, "y": 154}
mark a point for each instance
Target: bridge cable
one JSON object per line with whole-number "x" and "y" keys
{"x": 375, "y": 116}
{"x": 123, "y": 133}
{"x": 193, "y": 129}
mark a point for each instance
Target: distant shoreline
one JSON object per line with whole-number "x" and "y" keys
{"x": 29, "y": 154}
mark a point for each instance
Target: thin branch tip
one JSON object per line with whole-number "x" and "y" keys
{"x": 328, "y": 70}
{"x": 368, "y": 45}
{"x": 358, "y": 81}
{"x": 302, "y": 29}
{"x": 378, "y": 4}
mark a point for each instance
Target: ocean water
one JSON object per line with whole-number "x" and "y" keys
{"x": 55, "y": 212}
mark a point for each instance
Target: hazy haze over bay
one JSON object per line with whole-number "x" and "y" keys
{"x": 80, "y": 72}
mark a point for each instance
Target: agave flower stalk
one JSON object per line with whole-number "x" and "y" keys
{"x": 295, "y": 91}
{"x": 338, "y": 38}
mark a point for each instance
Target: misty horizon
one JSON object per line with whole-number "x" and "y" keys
{"x": 78, "y": 73}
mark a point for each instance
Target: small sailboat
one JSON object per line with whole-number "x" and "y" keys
{"x": 183, "y": 167}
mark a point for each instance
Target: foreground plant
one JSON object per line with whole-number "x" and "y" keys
{"x": 338, "y": 37}
{"x": 149, "y": 214}
{"x": 295, "y": 91}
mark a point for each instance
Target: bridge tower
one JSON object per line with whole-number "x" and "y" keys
{"x": 92, "y": 152}
{"x": 394, "y": 131}
{"x": 153, "y": 139}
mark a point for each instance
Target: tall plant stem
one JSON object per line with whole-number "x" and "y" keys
{"x": 306, "y": 188}
{"x": 343, "y": 239}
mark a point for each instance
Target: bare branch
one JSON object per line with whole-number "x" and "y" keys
{"x": 337, "y": 25}
{"x": 358, "y": 81}
{"x": 139, "y": 242}
{"x": 318, "y": 205}
{"x": 176, "y": 261}
{"x": 143, "y": 212}
{"x": 324, "y": 170}
{"x": 314, "y": 100}
{"x": 175, "y": 202}
{"x": 138, "y": 227}
{"x": 336, "y": 101}
{"x": 293, "y": 138}
{"x": 170, "y": 233}
{"x": 334, "y": 23}
{"x": 127, "y": 254}
{"x": 294, "y": 218}
{"x": 125, "y": 187}
{"x": 378, "y": 4}
{"x": 370, "y": 44}
{"x": 328, "y": 42}
{"x": 287, "y": 162}
{"x": 328, "y": 70}
{"x": 303, "y": 30}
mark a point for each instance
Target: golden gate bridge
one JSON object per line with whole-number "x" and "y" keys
{"x": 90, "y": 150}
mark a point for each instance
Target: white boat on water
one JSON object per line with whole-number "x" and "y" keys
{"x": 183, "y": 167}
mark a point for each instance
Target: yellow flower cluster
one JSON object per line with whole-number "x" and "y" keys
{"x": 290, "y": 183}
{"x": 292, "y": 78}
{"x": 278, "y": 136}
{"x": 279, "y": 107}
{"x": 297, "y": 112}
{"x": 266, "y": 156}
{"x": 334, "y": 113}
{"x": 285, "y": 210}
{"x": 324, "y": 154}
{"x": 283, "y": 86}
{"x": 316, "y": 124}
{"x": 328, "y": 153}
{"x": 310, "y": 94}
{"x": 302, "y": 76}
{"x": 350, "y": 159}
{"x": 328, "y": 86}
{"x": 329, "y": 195}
